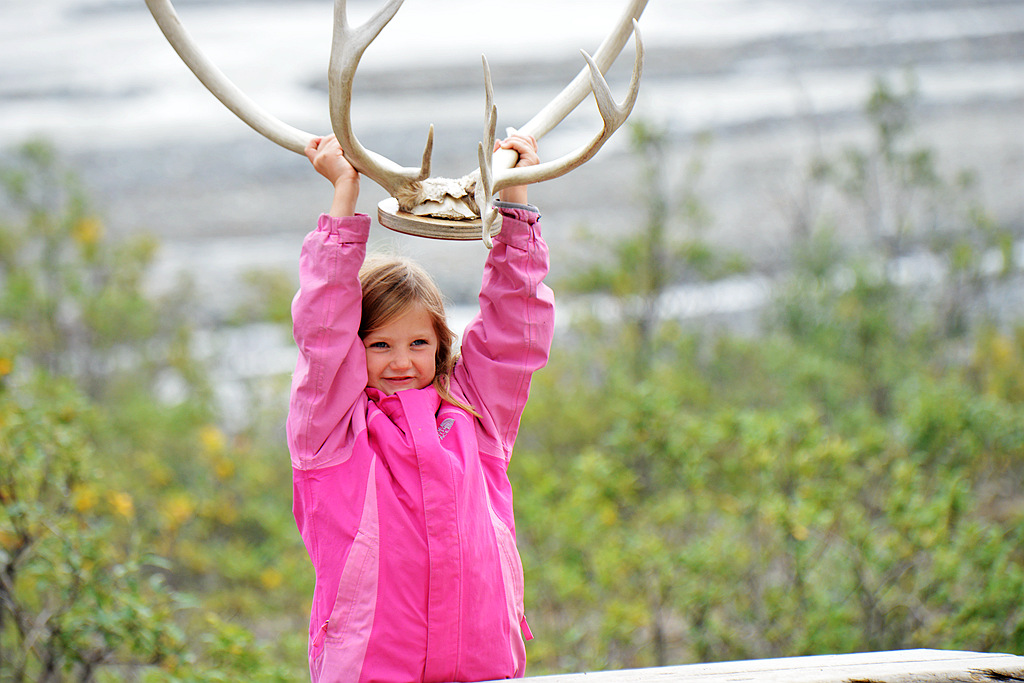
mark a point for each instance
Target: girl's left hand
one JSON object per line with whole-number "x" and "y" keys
{"x": 526, "y": 147}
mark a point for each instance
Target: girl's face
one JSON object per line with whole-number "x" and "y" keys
{"x": 401, "y": 354}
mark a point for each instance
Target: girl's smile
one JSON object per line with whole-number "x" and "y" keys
{"x": 402, "y": 354}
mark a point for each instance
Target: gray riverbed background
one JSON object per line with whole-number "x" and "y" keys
{"x": 773, "y": 81}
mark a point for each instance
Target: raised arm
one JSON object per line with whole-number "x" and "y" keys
{"x": 330, "y": 374}
{"x": 511, "y": 336}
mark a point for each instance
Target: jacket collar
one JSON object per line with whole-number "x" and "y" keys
{"x": 405, "y": 400}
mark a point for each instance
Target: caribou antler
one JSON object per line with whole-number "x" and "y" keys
{"x": 613, "y": 115}
{"x": 346, "y": 50}
{"x": 415, "y": 196}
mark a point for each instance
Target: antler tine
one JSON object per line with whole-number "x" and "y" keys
{"x": 577, "y": 90}
{"x": 613, "y": 116}
{"x": 347, "y": 48}
{"x": 590, "y": 79}
{"x": 217, "y": 83}
{"x": 484, "y": 187}
{"x": 483, "y": 194}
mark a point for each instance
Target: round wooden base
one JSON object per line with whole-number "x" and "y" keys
{"x": 392, "y": 218}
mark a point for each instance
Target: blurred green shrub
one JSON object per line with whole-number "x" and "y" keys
{"x": 850, "y": 479}
{"x": 138, "y": 539}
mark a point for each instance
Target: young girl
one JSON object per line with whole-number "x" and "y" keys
{"x": 399, "y": 450}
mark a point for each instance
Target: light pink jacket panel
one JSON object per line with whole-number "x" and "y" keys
{"x": 403, "y": 501}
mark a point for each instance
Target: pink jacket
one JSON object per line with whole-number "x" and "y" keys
{"x": 403, "y": 501}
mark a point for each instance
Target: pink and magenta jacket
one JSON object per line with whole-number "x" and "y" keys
{"x": 403, "y": 501}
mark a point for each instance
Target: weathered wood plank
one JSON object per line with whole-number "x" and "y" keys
{"x": 899, "y": 666}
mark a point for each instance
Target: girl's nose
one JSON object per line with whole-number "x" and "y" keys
{"x": 400, "y": 360}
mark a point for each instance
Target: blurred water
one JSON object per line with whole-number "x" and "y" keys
{"x": 97, "y": 73}
{"x": 768, "y": 77}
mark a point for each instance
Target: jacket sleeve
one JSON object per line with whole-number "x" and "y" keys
{"x": 510, "y": 337}
{"x": 330, "y": 374}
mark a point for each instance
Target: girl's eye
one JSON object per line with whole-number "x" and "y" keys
{"x": 420, "y": 342}
{"x": 378, "y": 345}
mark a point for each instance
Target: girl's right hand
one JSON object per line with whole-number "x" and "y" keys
{"x": 329, "y": 161}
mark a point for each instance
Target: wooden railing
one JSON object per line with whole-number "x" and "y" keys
{"x": 900, "y": 666}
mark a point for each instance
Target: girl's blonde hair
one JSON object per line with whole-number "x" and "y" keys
{"x": 391, "y": 285}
